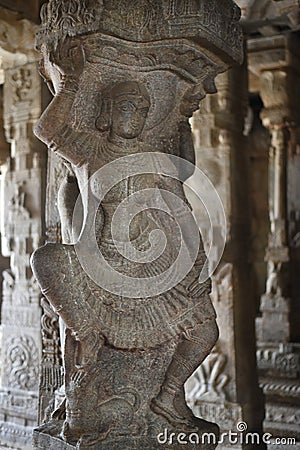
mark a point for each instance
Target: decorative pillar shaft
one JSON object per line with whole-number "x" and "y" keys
{"x": 226, "y": 385}
{"x": 274, "y": 324}
{"x": 277, "y": 167}
{"x": 22, "y": 186}
{"x": 278, "y": 326}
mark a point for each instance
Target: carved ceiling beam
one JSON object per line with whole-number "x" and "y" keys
{"x": 268, "y": 17}
{"x": 17, "y": 37}
{"x": 27, "y": 10}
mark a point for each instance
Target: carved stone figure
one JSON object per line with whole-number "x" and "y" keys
{"x": 119, "y": 119}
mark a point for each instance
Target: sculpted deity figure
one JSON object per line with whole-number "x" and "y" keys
{"x": 126, "y": 77}
{"x": 94, "y": 317}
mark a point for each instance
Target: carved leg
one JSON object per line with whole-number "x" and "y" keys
{"x": 88, "y": 349}
{"x": 68, "y": 194}
{"x": 74, "y": 310}
{"x": 190, "y": 353}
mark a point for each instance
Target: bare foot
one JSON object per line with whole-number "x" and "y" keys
{"x": 172, "y": 407}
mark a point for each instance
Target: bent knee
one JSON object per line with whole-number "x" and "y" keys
{"x": 44, "y": 259}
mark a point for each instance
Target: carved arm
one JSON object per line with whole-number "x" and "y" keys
{"x": 187, "y": 150}
{"x": 53, "y": 129}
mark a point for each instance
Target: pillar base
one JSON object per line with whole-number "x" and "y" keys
{"x": 47, "y": 437}
{"x": 279, "y": 367}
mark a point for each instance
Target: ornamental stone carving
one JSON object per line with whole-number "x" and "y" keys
{"x": 22, "y": 185}
{"x": 22, "y": 362}
{"x": 128, "y": 281}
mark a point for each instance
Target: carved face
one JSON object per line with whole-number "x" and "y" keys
{"x": 130, "y": 106}
{"x": 128, "y": 117}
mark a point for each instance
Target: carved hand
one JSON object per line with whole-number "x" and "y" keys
{"x": 69, "y": 59}
{"x": 196, "y": 288}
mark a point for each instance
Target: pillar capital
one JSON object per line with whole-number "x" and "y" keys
{"x": 274, "y": 67}
{"x": 16, "y": 39}
{"x": 210, "y": 25}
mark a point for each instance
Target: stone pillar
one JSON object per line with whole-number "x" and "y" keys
{"x": 258, "y": 145}
{"x": 126, "y": 77}
{"x": 4, "y": 262}
{"x": 278, "y": 326}
{"x": 226, "y": 384}
{"x": 22, "y": 184}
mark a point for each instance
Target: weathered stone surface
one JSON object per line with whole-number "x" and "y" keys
{"x": 273, "y": 68}
{"x": 264, "y": 16}
{"x": 125, "y": 79}
{"x": 16, "y": 39}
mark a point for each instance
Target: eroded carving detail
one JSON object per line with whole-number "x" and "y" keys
{"x": 123, "y": 114}
{"x": 22, "y": 83}
{"x": 209, "y": 379}
{"x": 146, "y": 20}
{"x": 22, "y": 362}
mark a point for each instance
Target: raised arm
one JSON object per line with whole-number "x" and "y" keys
{"x": 54, "y": 127}
{"x": 187, "y": 151}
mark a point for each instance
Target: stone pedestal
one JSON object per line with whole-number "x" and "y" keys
{"x": 125, "y": 408}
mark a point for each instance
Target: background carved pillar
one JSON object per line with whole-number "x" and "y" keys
{"x": 226, "y": 385}
{"x": 278, "y": 325}
{"x": 22, "y": 186}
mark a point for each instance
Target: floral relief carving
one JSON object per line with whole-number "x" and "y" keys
{"x": 22, "y": 362}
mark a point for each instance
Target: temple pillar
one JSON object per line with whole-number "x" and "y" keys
{"x": 278, "y": 325}
{"x": 22, "y": 185}
{"x": 226, "y": 384}
{"x": 126, "y": 77}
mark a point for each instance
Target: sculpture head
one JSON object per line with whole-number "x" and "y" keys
{"x": 125, "y": 110}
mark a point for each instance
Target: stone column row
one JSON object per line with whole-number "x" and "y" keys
{"x": 265, "y": 160}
